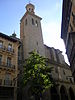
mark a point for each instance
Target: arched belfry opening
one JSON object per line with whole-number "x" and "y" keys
{"x": 63, "y": 93}
{"x": 54, "y": 93}
{"x": 71, "y": 93}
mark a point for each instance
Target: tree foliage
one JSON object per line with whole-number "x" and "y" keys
{"x": 37, "y": 73}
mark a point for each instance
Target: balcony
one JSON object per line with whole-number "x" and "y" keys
{"x": 10, "y": 50}
{"x": 4, "y": 49}
{"x": 4, "y": 65}
{"x": 8, "y": 83}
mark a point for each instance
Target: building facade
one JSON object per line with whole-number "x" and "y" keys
{"x": 8, "y": 67}
{"x": 61, "y": 75}
{"x": 68, "y": 31}
{"x": 31, "y": 37}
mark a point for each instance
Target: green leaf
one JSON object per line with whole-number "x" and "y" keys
{"x": 37, "y": 73}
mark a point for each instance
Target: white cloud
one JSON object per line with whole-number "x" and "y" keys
{"x": 51, "y": 34}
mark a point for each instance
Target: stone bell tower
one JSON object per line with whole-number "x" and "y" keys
{"x": 31, "y": 32}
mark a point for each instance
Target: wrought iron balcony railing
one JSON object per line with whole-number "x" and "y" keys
{"x": 3, "y": 48}
{"x": 5, "y": 65}
{"x": 10, "y": 50}
{"x": 7, "y": 82}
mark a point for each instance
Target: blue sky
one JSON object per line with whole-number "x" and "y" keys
{"x": 11, "y": 11}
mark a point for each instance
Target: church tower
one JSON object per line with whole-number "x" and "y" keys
{"x": 31, "y": 32}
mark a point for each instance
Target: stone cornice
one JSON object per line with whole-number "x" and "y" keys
{"x": 30, "y": 14}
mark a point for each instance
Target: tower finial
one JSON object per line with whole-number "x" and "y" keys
{"x": 29, "y": 1}
{"x": 30, "y": 8}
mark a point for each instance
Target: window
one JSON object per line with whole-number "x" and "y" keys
{"x": 32, "y": 21}
{"x": 0, "y": 59}
{"x": 26, "y": 22}
{"x": 56, "y": 69}
{"x": 7, "y": 79}
{"x": 36, "y": 23}
{"x": 63, "y": 72}
{"x": 29, "y": 9}
{"x": 70, "y": 80}
{"x": 9, "y": 62}
{"x": 32, "y": 10}
{"x": 7, "y": 76}
{"x": 37, "y": 43}
{"x": 37, "y": 51}
{"x": 66, "y": 78}
{"x": 10, "y": 47}
{"x": 1, "y": 44}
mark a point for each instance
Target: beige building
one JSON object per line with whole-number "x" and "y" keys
{"x": 8, "y": 67}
